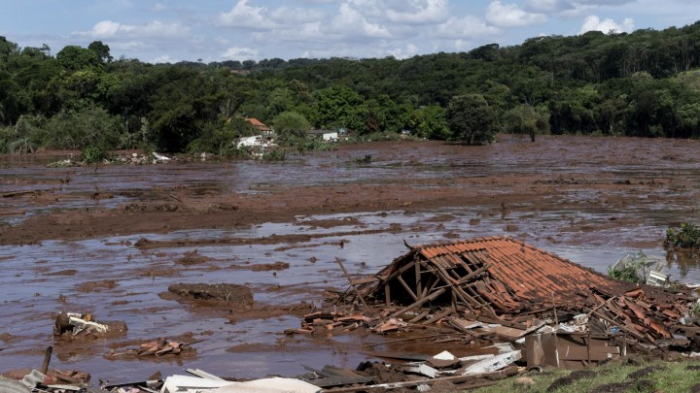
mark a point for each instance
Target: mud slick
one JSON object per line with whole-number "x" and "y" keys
{"x": 297, "y": 273}
{"x": 238, "y": 296}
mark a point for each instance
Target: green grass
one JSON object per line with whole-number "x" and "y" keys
{"x": 669, "y": 378}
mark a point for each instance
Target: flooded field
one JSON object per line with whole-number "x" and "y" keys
{"x": 110, "y": 240}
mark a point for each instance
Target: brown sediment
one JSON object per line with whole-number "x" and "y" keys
{"x": 513, "y": 186}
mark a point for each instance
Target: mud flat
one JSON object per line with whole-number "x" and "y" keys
{"x": 277, "y": 229}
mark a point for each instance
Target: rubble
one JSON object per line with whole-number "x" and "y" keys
{"x": 499, "y": 289}
{"x": 128, "y": 159}
{"x": 641, "y": 269}
{"x": 156, "y": 348}
{"x": 73, "y": 325}
{"x": 239, "y": 296}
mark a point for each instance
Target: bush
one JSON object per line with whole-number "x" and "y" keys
{"x": 305, "y": 144}
{"x": 526, "y": 120}
{"x": 6, "y": 134}
{"x": 289, "y": 125}
{"x": 688, "y": 236}
{"x": 94, "y": 154}
{"x": 276, "y": 154}
{"x": 75, "y": 129}
{"x": 628, "y": 272}
{"x": 220, "y": 138}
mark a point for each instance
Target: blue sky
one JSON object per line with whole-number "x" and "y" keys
{"x": 215, "y": 30}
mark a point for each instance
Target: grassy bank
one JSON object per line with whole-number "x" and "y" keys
{"x": 629, "y": 375}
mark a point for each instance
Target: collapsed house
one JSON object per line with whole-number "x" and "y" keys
{"x": 564, "y": 314}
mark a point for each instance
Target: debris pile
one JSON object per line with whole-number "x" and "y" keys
{"x": 76, "y": 325}
{"x": 502, "y": 289}
{"x": 159, "y": 347}
{"x": 239, "y": 296}
{"x": 130, "y": 159}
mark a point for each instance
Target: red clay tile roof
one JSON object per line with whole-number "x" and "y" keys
{"x": 525, "y": 270}
{"x": 255, "y": 122}
{"x": 507, "y": 279}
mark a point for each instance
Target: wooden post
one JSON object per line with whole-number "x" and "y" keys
{"x": 347, "y": 276}
{"x": 47, "y": 359}
{"x": 419, "y": 286}
{"x": 387, "y": 293}
{"x": 588, "y": 345}
{"x": 419, "y": 303}
{"x": 407, "y": 288}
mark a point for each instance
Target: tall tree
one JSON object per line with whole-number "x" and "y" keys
{"x": 471, "y": 119}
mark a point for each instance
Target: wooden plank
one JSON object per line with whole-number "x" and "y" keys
{"x": 438, "y": 316}
{"x": 366, "y": 280}
{"x": 508, "y": 332}
{"x": 473, "y": 274}
{"x": 579, "y": 352}
{"x": 432, "y": 281}
{"x": 387, "y": 293}
{"x": 347, "y": 276}
{"x": 451, "y": 283}
{"x": 419, "y": 317}
{"x": 407, "y": 288}
{"x": 419, "y": 303}
{"x": 419, "y": 284}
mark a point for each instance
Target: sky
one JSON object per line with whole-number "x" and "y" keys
{"x": 216, "y": 30}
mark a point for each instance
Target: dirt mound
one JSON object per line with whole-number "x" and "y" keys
{"x": 644, "y": 372}
{"x": 617, "y": 387}
{"x": 270, "y": 266}
{"x": 96, "y": 286}
{"x": 192, "y": 258}
{"x": 238, "y": 295}
{"x": 570, "y": 379}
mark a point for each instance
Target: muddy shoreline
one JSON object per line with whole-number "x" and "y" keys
{"x": 111, "y": 240}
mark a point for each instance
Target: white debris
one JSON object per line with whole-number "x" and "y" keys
{"x": 495, "y": 363}
{"x": 187, "y": 384}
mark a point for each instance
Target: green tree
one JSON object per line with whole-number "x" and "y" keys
{"x": 337, "y": 106}
{"x": 471, "y": 119}
{"x": 290, "y": 124}
{"x": 429, "y": 122}
{"x": 526, "y": 120}
{"x": 75, "y": 58}
{"x": 101, "y": 50}
{"x": 219, "y": 137}
{"x": 77, "y": 129}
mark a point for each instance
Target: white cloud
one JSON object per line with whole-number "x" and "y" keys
{"x": 594, "y": 23}
{"x": 162, "y": 59}
{"x": 548, "y": 6}
{"x": 350, "y": 22}
{"x": 403, "y": 53}
{"x": 244, "y": 16}
{"x": 465, "y": 28}
{"x": 286, "y": 15}
{"x": 421, "y": 12}
{"x": 511, "y": 15}
{"x": 111, "y": 29}
{"x": 240, "y": 53}
{"x": 159, "y": 7}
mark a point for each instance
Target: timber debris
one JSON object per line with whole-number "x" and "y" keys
{"x": 499, "y": 289}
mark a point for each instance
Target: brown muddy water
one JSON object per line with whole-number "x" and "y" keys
{"x": 590, "y": 200}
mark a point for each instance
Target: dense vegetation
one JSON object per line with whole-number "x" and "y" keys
{"x": 638, "y": 84}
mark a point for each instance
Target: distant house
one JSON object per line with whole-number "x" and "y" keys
{"x": 326, "y": 135}
{"x": 258, "y": 125}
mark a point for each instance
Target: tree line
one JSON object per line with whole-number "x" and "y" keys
{"x": 644, "y": 83}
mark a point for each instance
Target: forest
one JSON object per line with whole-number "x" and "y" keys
{"x": 644, "y": 83}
